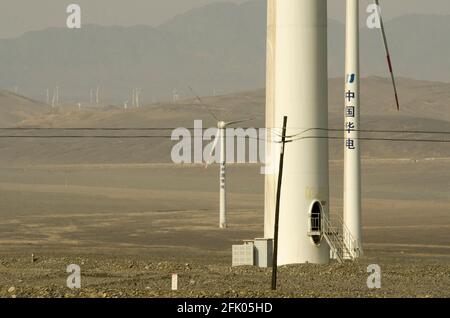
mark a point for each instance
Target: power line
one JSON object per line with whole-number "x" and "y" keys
{"x": 79, "y": 136}
{"x": 375, "y": 139}
{"x": 246, "y": 137}
{"x": 375, "y": 131}
{"x": 195, "y": 128}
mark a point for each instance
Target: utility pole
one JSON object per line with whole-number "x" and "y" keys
{"x": 277, "y": 210}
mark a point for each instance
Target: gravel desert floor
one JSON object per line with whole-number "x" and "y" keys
{"x": 130, "y": 227}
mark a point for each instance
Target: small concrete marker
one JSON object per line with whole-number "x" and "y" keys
{"x": 174, "y": 281}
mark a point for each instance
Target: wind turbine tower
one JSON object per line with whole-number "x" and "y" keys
{"x": 133, "y": 97}
{"x": 297, "y": 87}
{"x": 220, "y": 137}
{"x": 57, "y": 95}
{"x": 352, "y": 151}
{"x": 54, "y": 98}
{"x": 137, "y": 94}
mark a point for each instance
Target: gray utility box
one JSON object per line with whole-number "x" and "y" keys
{"x": 243, "y": 255}
{"x": 258, "y": 252}
{"x": 263, "y": 252}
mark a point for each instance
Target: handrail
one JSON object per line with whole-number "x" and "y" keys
{"x": 347, "y": 235}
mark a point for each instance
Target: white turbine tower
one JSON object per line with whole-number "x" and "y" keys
{"x": 352, "y": 151}
{"x": 175, "y": 96}
{"x": 220, "y": 137}
{"x": 297, "y": 87}
{"x": 137, "y": 98}
{"x": 97, "y": 97}
{"x": 57, "y": 95}
{"x": 54, "y": 98}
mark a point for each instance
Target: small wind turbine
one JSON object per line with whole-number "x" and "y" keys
{"x": 137, "y": 97}
{"x": 220, "y": 136}
{"x": 134, "y": 97}
{"x": 54, "y": 98}
{"x": 175, "y": 96}
{"x": 97, "y": 97}
{"x": 57, "y": 95}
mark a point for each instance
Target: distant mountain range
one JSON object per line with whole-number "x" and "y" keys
{"x": 220, "y": 47}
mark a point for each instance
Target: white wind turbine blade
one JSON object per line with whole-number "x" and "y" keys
{"x": 386, "y": 46}
{"x": 203, "y": 103}
{"x": 213, "y": 148}
{"x": 238, "y": 121}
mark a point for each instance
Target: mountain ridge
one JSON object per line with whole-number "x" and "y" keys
{"x": 219, "y": 47}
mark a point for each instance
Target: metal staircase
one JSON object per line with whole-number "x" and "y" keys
{"x": 338, "y": 237}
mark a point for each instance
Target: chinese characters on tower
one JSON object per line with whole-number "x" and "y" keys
{"x": 350, "y": 114}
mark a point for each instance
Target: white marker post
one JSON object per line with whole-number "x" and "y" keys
{"x": 174, "y": 282}
{"x": 352, "y": 150}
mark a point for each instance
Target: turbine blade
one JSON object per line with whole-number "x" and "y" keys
{"x": 216, "y": 141}
{"x": 238, "y": 121}
{"x": 388, "y": 55}
{"x": 203, "y": 103}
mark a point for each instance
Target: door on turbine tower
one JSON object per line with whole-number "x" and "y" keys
{"x": 315, "y": 223}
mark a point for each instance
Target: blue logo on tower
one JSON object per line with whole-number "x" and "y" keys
{"x": 351, "y": 78}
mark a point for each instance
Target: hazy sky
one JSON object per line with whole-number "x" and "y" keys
{"x": 19, "y": 16}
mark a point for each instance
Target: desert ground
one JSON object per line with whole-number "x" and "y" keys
{"x": 130, "y": 227}
{"x": 130, "y": 218}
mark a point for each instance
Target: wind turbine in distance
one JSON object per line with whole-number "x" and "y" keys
{"x": 138, "y": 97}
{"x": 220, "y": 136}
{"x": 57, "y": 95}
{"x": 54, "y": 98}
